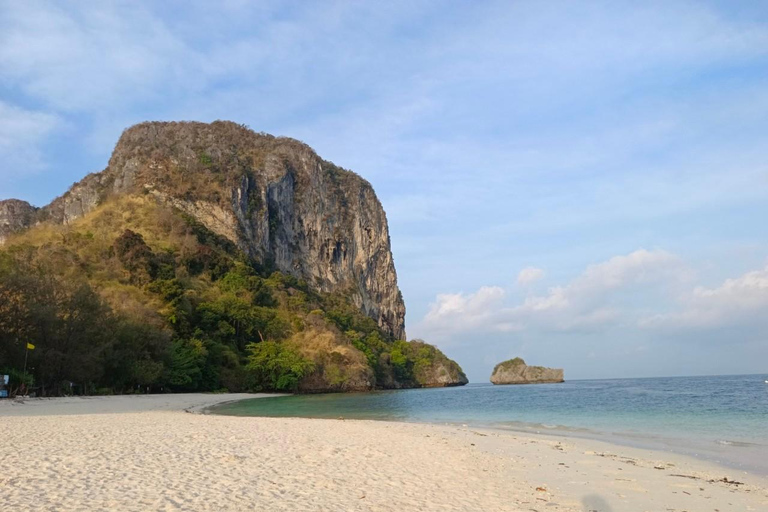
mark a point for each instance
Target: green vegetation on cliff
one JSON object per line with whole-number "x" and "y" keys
{"x": 137, "y": 296}
{"x": 509, "y": 364}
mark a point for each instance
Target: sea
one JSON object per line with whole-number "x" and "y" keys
{"x": 723, "y": 419}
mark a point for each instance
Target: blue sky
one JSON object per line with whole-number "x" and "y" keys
{"x": 584, "y": 184}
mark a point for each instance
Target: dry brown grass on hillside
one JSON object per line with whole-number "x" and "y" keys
{"x": 341, "y": 365}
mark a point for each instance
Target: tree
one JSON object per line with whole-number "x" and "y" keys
{"x": 277, "y": 366}
{"x": 186, "y": 364}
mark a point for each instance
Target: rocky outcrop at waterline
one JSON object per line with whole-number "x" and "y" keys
{"x": 515, "y": 371}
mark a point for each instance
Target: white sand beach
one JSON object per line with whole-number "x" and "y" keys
{"x": 149, "y": 453}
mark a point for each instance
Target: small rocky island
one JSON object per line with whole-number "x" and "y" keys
{"x": 515, "y": 371}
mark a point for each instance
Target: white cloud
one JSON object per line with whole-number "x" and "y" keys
{"x": 457, "y": 310}
{"x": 738, "y": 301}
{"x": 603, "y": 294}
{"x": 644, "y": 293}
{"x": 591, "y": 297}
{"x": 92, "y": 57}
{"x": 641, "y": 266}
{"x": 529, "y": 275}
{"x": 21, "y": 135}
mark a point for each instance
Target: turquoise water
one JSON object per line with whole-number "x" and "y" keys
{"x": 722, "y": 418}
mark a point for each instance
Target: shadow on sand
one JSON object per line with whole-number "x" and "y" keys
{"x": 594, "y": 503}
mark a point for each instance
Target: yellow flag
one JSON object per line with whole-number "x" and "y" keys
{"x": 30, "y": 346}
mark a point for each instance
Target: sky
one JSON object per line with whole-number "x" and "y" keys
{"x": 582, "y": 184}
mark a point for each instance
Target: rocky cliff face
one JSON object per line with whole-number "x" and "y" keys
{"x": 515, "y": 371}
{"x": 273, "y": 197}
{"x": 445, "y": 374}
{"x": 15, "y": 215}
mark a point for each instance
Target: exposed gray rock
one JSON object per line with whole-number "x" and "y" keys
{"x": 273, "y": 197}
{"x": 445, "y": 374}
{"x": 15, "y": 216}
{"x": 80, "y": 199}
{"x": 515, "y": 371}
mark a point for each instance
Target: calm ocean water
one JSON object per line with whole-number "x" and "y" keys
{"x": 722, "y": 418}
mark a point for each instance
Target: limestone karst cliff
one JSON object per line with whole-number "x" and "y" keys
{"x": 515, "y": 371}
{"x": 208, "y": 257}
{"x": 273, "y": 197}
{"x": 15, "y": 215}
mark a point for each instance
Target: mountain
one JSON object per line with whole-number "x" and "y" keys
{"x": 228, "y": 241}
{"x": 273, "y": 197}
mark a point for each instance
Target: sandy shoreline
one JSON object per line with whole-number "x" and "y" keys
{"x": 146, "y": 453}
{"x": 191, "y": 402}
